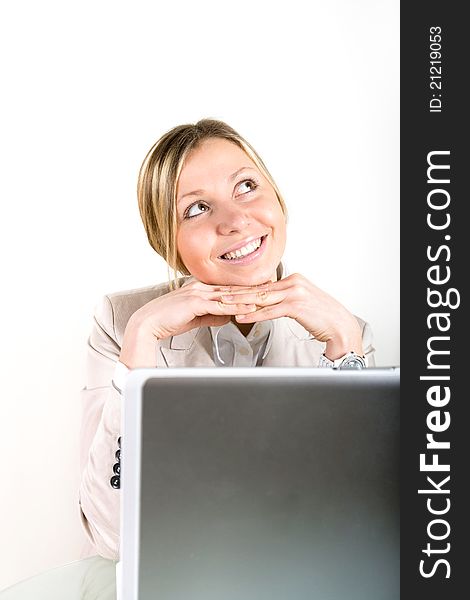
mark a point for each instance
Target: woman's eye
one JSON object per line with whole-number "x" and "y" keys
{"x": 194, "y": 208}
{"x": 249, "y": 184}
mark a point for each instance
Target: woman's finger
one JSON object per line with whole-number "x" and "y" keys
{"x": 260, "y": 298}
{"x": 221, "y": 308}
{"x": 274, "y": 311}
{"x": 241, "y": 288}
{"x": 282, "y": 284}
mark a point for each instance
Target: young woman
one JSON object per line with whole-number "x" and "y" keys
{"x": 213, "y": 212}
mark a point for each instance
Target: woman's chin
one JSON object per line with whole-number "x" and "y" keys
{"x": 247, "y": 279}
{"x": 256, "y": 275}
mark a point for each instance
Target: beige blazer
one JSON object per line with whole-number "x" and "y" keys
{"x": 99, "y": 502}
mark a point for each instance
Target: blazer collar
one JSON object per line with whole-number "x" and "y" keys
{"x": 190, "y": 349}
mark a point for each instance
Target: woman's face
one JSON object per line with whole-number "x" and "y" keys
{"x": 225, "y": 208}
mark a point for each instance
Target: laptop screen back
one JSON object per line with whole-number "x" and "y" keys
{"x": 274, "y": 487}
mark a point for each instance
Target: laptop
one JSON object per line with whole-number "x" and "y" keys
{"x": 260, "y": 484}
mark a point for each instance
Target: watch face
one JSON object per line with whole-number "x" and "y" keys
{"x": 353, "y": 363}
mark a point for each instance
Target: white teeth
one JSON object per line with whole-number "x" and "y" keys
{"x": 248, "y": 249}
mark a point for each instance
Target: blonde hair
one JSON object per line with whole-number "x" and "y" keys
{"x": 158, "y": 181}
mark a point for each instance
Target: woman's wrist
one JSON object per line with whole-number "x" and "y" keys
{"x": 138, "y": 346}
{"x": 348, "y": 339}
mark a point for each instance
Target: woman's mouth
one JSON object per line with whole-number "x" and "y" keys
{"x": 248, "y": 253}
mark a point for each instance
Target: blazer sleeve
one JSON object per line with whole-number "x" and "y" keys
{"x": 369, "y": 350}
{"x": 99, "y": 501}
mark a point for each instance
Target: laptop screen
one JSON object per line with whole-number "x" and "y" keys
{"x": 280, "y": 486}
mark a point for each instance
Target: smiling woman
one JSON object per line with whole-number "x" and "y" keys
{"x": 232, "y": 230}
{"x": 212, "y": 210}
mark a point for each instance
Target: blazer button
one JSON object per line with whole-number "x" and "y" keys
{"x": 118, "y": 455}
{"x": 115, "y": 482}
{"x": 117, "y": 468}
{"x": 119, "y": 441}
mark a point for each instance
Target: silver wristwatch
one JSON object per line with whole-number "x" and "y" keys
{"x": 351, "y": 360}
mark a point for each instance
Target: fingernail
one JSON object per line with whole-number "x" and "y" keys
{"x": 227, "y": 298}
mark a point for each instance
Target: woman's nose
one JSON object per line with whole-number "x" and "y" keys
{"x": 232, "y": 219}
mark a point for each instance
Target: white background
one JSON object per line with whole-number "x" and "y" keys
{"x": 87, "y": 89}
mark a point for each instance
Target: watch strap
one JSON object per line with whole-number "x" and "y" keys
{"x": 351, "y": 360}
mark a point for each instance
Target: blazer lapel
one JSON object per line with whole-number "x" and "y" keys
{"x": 190, "y": 349}
{"x": 292, "y": 346}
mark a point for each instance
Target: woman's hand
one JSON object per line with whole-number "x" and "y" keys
{"x": 195, "y": 304}
{"x": 296, "y": 297}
